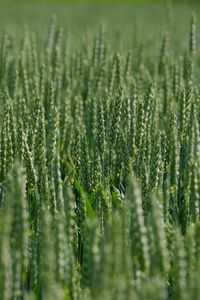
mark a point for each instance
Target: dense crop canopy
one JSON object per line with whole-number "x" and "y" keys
{"x": 99, "y": 170}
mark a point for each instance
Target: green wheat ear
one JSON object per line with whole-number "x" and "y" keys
{"x": 159, "y": 253}
{"x": 16, "y": 204}
{"x": 6, "y": 274}
{"x": 138, "y": 232}
{"x": 193, "y": 41}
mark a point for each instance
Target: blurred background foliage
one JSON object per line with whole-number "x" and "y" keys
{"x": 81, "y": 19}
{"x": 100, "y": 1}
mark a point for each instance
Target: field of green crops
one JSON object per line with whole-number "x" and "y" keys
{"x": 99, "y": 152}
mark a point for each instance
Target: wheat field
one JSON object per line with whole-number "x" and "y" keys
{"x": 99, "y": 152}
